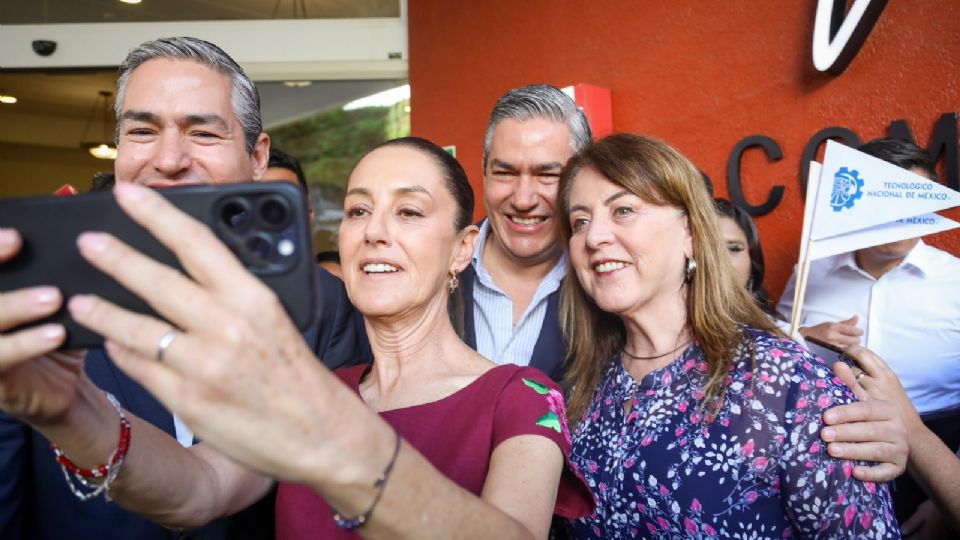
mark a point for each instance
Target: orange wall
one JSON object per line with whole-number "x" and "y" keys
{"x": 701, "y": 75}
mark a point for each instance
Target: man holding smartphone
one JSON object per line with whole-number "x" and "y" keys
{"x": 186, "y": 114}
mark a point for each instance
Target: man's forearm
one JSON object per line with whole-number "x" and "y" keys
{"x": 937, "y": 469}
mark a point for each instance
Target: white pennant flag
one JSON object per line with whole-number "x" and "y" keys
{"x": 902, "y": 229}
{"x": 858, "y": 191}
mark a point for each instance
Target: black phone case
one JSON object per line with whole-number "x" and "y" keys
{"x": 49, "y": 226}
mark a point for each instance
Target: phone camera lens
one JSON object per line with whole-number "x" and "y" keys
{"x": 274, "y": 212}
{"x": 236, "y": 216}
{"x": 260, "y": 246}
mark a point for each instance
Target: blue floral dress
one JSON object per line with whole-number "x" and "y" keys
{"x": 757, "y": 470}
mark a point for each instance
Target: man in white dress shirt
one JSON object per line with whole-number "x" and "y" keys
{"x": 902, "y": 301}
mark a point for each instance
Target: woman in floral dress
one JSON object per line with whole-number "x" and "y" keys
{"x": 694, "y": 416}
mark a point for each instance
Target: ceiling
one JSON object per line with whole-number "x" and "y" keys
{"x": 54, "y": 108}
{"x": 98, "y": 11}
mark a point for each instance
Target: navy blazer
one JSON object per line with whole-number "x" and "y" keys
{"x": 35, "y": 502}
{"x": 549, "y": 351}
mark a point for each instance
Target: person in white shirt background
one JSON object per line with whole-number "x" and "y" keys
{"x": 902, "y": 301}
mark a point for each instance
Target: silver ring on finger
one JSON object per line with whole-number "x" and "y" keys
{"x": 165, "y": 341}
{"x": 859, "y": 376}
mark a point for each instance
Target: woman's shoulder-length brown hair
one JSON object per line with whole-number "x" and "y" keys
{"x": 718, "y": 308}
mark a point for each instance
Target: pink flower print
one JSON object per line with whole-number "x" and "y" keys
{"x": 646, "y": 441}
{"x": 557, "y": 407}
{"x": 695, "y": 505}
{"x": 650, "y": 527}
{"x": 776, "y": 484}
{"x": 663, "y": 490}
{"x": 798, "y": 419}
{"x": 815, "y": 447}
{"x": 689, "y": 525}
{"x": 698, "y": 395}
{"x": 748, "y": 393}
{"x": 751, "y": 496}
{"x": 709, "y": 530}
{"x": 748, "y": 375}
{"x": 866, "y": 520}
{"x": 807, "y": 366}
{"x": 760, "y": 464}
{"x": 592, "y": 466}
{"x": 764, "y": 377}
{"x": 848, "y": 515}
{"x": 821, "y": 383}
{"x": 808, "y": 464}
{"x": 629, "y": 463}
{"x": 663, "y": 523}
{"x": 695, "y": 418}
{"x": 871, "y": 487}
{"x": 640, "y": 488}
{"x": 801, "y": 403}
{"x": 804, "y": 386}
{"x": 666, "y": 379}
{"x": 688, "y": 365}
{"x": 747, "y": 449}
{"x": 824, "y": 401}
{"x": 776, "y": 353}
{"x": 682, "y": 407}
{"x": 679, "y": 431}
{"x": 702, "y": 366}
{"x": 830, "y": 468}
{"x": 602, "y": 487}
{"x": 847, "y": 469}
{"x": 725, "y": 422}
{"x": 596, "y": 531}
{"x": 788, "y": 533}
{"x": 608, "y": 402}
{"x": 641, "y": 507}
{"x": 841, "y": 498}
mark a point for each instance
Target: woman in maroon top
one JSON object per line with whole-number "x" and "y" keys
{"x": 432, "y": 440}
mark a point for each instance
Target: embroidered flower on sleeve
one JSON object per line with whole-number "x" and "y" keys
{"x": 556, "y": 417}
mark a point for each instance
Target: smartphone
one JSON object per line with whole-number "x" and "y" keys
{"x": 264, "y": 224}
{"x": 841, "y": 355}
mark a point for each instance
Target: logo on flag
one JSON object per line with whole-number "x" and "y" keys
{"x": 847, "y": 188}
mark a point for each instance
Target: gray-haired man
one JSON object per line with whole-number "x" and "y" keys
{"x": 512, "y": 287}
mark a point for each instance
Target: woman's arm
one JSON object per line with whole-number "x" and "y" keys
{"x": 160, "y": 480}
{"x": 239, "y": 374}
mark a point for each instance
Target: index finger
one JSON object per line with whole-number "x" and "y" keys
{"x": 10, "y": 243}
{"x": 205, "y": 258}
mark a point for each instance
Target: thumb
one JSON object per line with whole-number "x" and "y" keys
{"x": 852, "y": 320}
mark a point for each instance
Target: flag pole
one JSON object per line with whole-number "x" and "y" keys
{"x": 798, "y": 295}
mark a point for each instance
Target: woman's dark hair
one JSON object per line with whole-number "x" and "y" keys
{"x": 453, "y": 175}
{"x": 457, "y": 184}
{"x": 747, "y": 226}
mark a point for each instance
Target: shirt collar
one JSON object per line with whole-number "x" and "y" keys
{"x": 553, "y": 277}
{"x": 918, "y": 258}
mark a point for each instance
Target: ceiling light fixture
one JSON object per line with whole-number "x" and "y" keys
{"x": 297, "y": 84}
{"x": 6, "y": 98}
{"x": 130, "y": 1}
{"x": 102, "y": 148}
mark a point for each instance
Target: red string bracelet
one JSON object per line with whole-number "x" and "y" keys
{"x": 108, "y": 471}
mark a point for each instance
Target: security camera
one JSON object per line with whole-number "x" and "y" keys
{"x": 44, "y": 47}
